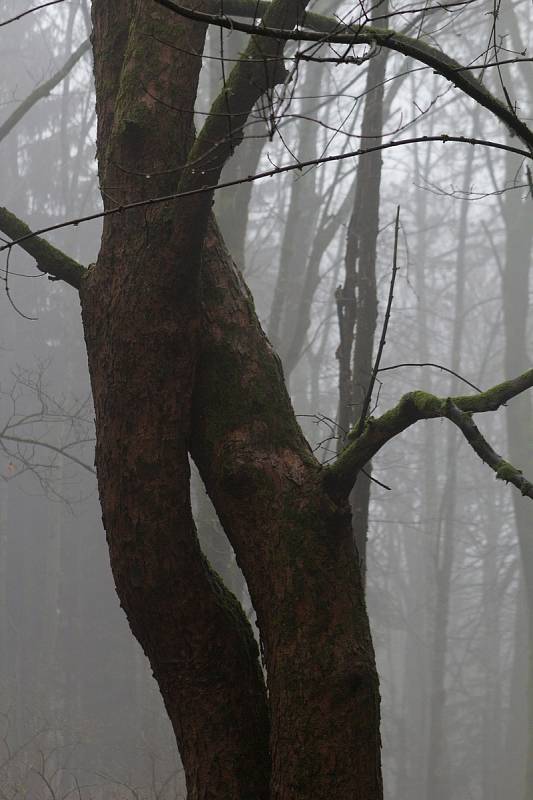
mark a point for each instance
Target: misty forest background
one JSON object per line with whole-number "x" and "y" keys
{"x": 79, "y": 710}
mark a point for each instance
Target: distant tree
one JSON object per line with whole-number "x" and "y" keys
{"x": 179, "y": 364}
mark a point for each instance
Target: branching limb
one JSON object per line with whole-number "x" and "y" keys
{"x": 49, "y": 259}
{"x": 269, "y": 173}
{"x": 504, "y": 471}
{"x": 326, "y": 30}
{"x": 43, "y": 90}
{"x": 259, "y": 70}
{"x": 413, "y": 407}
{"x": 21, "y": 442}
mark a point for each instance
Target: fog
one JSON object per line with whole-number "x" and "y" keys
{"x": 448, "y": 579}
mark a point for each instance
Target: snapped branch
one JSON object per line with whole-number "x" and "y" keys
{"x": 415, "y": 406}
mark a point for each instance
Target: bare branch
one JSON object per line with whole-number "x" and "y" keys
{"x": 331, "y": 31}
{"x": 48, "y": 446}
{"x": 413, "y": 407}
{"x": 40, "y": 431}
{"x": 382, "y": 341}
{"x": 29, "y": 11}
{"x": 431, "y": 364}
{"x": 43, "y": 90}
{"x": 76, "y": 276}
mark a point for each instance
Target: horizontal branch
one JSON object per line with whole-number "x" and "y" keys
{"x": 49, "y": 259}
{"x": 413, "y": 407}
{"x": 330, "y": 31}
{"x": 269, "y": 173}
{"x": 62, "y": 451}
{"x": 430, "y": 364}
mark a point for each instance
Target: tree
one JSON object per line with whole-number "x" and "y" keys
{"x": 179, "y": 364}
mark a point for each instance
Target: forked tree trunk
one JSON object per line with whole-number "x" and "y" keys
{"x": 178, "y": 362}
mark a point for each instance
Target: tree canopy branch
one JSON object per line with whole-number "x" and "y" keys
{"x": 49, "y": 259}
{"x": 326, "y": 30}
{"x": 416, "y": 406}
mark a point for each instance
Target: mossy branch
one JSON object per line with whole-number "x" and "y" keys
{"x": 326, "y": 30}
{"x": 504, "y": 471}
{"x": 417, "y": 405}
{"x": 49, "y": 259}
{"x": 259, "y": 70}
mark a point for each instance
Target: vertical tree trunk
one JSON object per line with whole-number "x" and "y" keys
{"x": 294, "y": 544}
{"x": 438, "y": 775}
{"x": 357, "y": 303}
{"x": 300, "y": 216}
{"x": 141, "y": 320}
{"x": 519, "y": 417}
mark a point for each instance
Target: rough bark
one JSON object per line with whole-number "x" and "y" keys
{"x": 179, "y": 363}
{"x": 293, "y": 542}
{"x": 141, "y": 320}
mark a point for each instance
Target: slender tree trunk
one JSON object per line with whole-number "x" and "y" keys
{"x": 492, "y": 741}
{"x": 517, "y": 211}
{"x": 357, "y": 302}
{"x": 438, "y": 775}
{"x": 232, "y": 207}
{"x": 300, "y": 216}
{"x": 515, "y": 287}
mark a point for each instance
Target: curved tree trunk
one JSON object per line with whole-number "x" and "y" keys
{"x": 178, "y": 362}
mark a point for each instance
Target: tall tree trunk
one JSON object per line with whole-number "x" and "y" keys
{"x": 141, "y": 320}
{"x": 178, "y": 361}
{"x": 299, "y": 219}
{"x": 357, "y": 303}
{"x": 519, "y": 417}
{"x": 438, "y": 774}
{"x": 294, "y": 545}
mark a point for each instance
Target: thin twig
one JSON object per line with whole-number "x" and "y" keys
{"x": 382, "y": 341}
{"x": 375, "y": 480}
{"x": 266, "y": 174}
{"x": 431, "y": 364}
{"x": 29, "y": 11}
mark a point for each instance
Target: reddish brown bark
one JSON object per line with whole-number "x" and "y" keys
{"x": 294, "y": 543}
{"x": 179, "y": 363}
{"x": 141, "y": 319}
